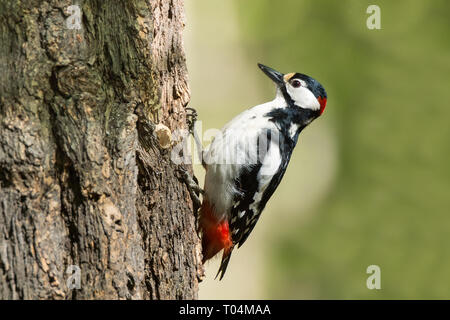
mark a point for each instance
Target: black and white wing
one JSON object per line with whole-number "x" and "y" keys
{"x": 256, "y": 184}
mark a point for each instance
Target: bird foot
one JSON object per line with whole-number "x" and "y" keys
{"x": 191, "y": 119}
{"x": 192, "y": 186}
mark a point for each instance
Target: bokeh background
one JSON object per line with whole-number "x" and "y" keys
{"x": 369, "y": 182}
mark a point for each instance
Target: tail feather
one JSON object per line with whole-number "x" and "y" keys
{"x": 225, "y": 259}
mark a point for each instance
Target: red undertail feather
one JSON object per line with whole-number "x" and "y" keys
{"x": 216, "y": 236}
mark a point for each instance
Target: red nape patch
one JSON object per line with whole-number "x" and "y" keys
{"x": 215, "y": 234}
{"x": 323, "y": 103}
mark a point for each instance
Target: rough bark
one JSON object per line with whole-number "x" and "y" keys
{"x": 83, "y": 180}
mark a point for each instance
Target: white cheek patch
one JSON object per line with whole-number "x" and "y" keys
{"x": 303, "y": 97}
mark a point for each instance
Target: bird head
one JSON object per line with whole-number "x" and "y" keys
{"x": 299, "y": 90}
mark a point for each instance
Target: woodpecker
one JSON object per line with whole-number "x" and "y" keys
{"x": 247, "y": 160}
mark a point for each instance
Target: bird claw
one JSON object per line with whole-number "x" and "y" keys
{"x": 191, "y": 119}
{"x": 191, "y": 181}
{"x": 192, "y": 186}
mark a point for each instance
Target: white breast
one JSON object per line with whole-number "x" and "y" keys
{"x": 234, "y": 147}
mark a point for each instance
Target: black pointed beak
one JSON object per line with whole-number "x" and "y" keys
{"x": 276, "y": 76}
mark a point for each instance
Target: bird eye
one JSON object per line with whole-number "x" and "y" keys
{"x": 296, "y": 83}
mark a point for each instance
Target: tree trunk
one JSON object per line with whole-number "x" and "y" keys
{"x": 87, "y": 192}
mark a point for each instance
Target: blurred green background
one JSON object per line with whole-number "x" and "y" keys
{"x": 369, "y": 182}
